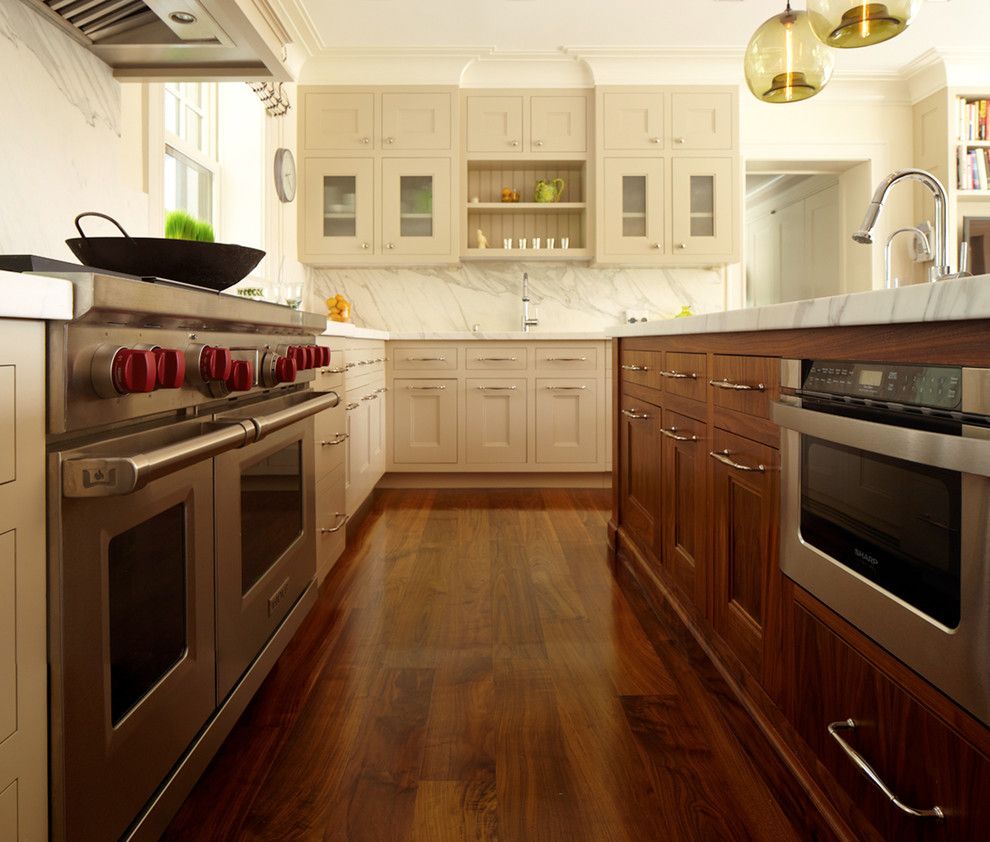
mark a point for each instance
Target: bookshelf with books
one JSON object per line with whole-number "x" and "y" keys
{"x": 972, "y": 145}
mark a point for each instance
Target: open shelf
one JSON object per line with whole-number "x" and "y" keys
{"x": 526, "y": 255}
{"x": 972, "y": 194}
{"x": 542, "y": 207}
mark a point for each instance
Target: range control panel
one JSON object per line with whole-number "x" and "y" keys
{"x": 939, "y": 387}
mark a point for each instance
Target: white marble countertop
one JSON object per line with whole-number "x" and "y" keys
{"x": 348, "y": 330}
{"x": 965, "y": 298}
{"x": 30, "y": 296}
{"x": 353, "y": 331}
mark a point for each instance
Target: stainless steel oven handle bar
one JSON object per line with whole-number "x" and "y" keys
{"x": 110, "y": 476}
{"x": 860, "y": 761}
{"x": 954, "y": 453}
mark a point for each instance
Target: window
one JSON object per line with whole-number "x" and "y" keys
{"x": 191, "y": 166}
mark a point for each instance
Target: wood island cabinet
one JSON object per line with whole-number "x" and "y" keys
{"x": 696, "y": 520}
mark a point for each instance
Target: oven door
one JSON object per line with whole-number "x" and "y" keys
{"x": 131, "y": 608}
{"x": 265, "y": 533}
{"x": 887, "y": 524}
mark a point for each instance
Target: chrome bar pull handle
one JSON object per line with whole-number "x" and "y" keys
{"x": 496, "y": 388}
{"x": 568, "y": 360}
{"x": 566, "y": 388}
{"x": 340, "y": 438}
{"x": 439, "y": 388}
{"x": 850, "y": 724}
{"x": 634, "y": 368}
{"x": 737, "y": 387}
{"x": 497, "y": 359}
{"x": 636, "y": 416}
{"x": 341, "y": 522}
{"x": 673, "y": 434}
{"x": 332, "y": 370}
{"x": 351, "y": 406}
{"x": 440, "y": 359}
{"x": 679, "y": 375}
{"x": 725, "y": 458}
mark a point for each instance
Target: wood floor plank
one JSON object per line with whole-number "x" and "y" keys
{"x": 455, "y": 811}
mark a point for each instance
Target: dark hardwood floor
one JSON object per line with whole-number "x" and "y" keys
{"x": 473, "y": 671}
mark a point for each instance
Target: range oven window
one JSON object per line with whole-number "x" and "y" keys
{"x": 896, "y": 523}
{"x": 147, "y": 604}
{"x": 271, "y": 511}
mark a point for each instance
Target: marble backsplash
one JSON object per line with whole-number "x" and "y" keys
{"x": 564, "y": 296}
{"x": 61, "y": 143}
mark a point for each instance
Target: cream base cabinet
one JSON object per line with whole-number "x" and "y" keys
{"x": 364, "y": 408}
{"x": 424, "y": 421}
{"x": 567, "y": 421}
{"x": 330, "y": 442}
{"x": 495, "y": 421}
{"x": 23, "y": 654}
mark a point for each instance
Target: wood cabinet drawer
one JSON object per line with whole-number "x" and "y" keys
{"x": 745, "y": 384}
{"x": 685, "y": 375}
{"x": 331, "y": 521}
{"x": 642, "y": 368}
{"x": 920, "y": 758}
{"x": 566, "y": 359}
{"x": 495, "y": 358}
{"x": 331, "y": 439}
{"x": 418, "y": 358}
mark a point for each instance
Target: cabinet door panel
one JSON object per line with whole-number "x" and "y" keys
{"x": 8, "y": 812}
{"x": 416, "y": 206}
{"x": 558, "y": 123}
{"x": 633, "y": 206}
{"x": 495, "y": 421}
{"x": 745, "y": 507}
{"x": 331, "y": 519}
{"x": 632, "y": 121}
{"x": 339, "y": 121}
{"x": 701, "y": 121}
{"x": 567, "y": 421}
{"x": 684, "y": 510}
{"x": 358, "y": 456}
{"x": 424, "y": 425}
{"x": 702, "y": 198}
{"x": 416, "y": 121}
{"x": 494, "y": 124}
{"x": 340, "y": 206}
{"x": 639, "y": 479}
{"x": 8, "y": 635}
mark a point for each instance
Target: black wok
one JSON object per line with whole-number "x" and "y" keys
{"x": 211, "y": 265}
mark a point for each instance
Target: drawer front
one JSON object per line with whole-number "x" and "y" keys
{"x": 331, "y": 439}
{"x": 923, "y": 761}
{"x": 419, "y": 358}
{"x": 566, "y": 359}
{"x": 745, "y": 384}
{"x": 642, "y": 368}
{"x": 496, "y": 357}
{"x": 331, "y": 521}
{"x": 685, "y": 375}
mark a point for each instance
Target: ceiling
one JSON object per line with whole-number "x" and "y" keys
{"x": 539, "y": 25}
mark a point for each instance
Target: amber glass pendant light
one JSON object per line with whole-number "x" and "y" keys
{"x": 785, "y": 61}
{"x": 846, "y": 24}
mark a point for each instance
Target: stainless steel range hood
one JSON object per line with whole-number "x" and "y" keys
{"x": 177, "y": 39}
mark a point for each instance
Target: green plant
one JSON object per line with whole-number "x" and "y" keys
{"x": 179, "y": 225}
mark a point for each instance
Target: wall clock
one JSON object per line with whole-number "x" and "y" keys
{"x": 285, "y": 175}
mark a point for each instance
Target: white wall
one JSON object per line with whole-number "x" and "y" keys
{"x": 566, "y": 297}
{"x": 63, "y": 145}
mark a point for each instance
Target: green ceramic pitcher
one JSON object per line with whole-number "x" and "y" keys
{"x": 549, "y": 191}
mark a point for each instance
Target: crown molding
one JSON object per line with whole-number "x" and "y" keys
{"x": 298, "y": 23}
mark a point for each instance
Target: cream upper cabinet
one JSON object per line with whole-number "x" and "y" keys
{"x": 702, "y": 120}
{"x": 703, "y": 199}
{"x": 567, "y": 421}
{"x": 495, "y": 124}
{"x": 339, "y": 198}
{"x": 632, "y": 207}
{"x": 416, "y": 212}
{"x": 338, "y": 121}
{"x": 495, "y": 421}
{"x": 416, "y": 121}
{"x": 558, "y": 123}
{"x": 632, "y": 121}
{"x": 424, "y": 421}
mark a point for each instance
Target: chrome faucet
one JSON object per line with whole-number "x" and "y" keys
{"x": 527, "y": 322}
{"x": 887, "y": 249}
{"x": 940, "y": 269}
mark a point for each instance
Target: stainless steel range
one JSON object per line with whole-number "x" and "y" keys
{"x": 181, "y": 535}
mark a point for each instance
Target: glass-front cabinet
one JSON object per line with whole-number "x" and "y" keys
{"x": 340, "y": 206}
{"x": 416, "y": 206}
{"x": 633, "y": 206}
{"x": 701, "y": 195}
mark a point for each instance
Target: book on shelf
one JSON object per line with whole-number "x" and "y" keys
{"x": 973, "y": 119}
{"x": 974, "y": 167}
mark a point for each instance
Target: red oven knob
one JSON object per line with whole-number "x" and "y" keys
{"x": 170, "y": 367}
{"x": 297, "y": 353}
{"x": 241, "y": 376}
{"x": 324, "y": 355}
{"x": 133, "y": 371}
{"x": 315, "y": 355}
{"x": 215, "y": 363}
{"x": 285, "y": 370}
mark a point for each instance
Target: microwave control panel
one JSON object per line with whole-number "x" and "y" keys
{"x": 938, "y": 387}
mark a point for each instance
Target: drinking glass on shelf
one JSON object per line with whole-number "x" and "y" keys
{"x": 550, "y": 242}
{"x": 507, "y": 243}
{"x": 536, "y": 242}
{"x": 522, "y": 242}
{"x": 565, "y": 242}
{"x": 293, "y": 296}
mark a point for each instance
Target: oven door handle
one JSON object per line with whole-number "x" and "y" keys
{"x": 275, "y": 421}
{"x": 953, "y": 453}
{"x": 112, "y": 476}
